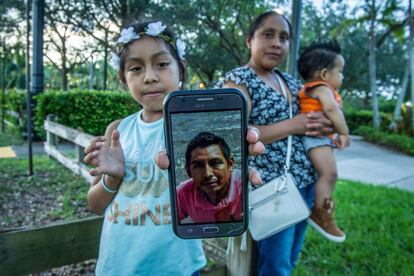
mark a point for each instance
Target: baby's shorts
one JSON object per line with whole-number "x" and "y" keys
{"x": 310, "y": 142}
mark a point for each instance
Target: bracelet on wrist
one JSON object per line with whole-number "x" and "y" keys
{"x": 106, "y": 187}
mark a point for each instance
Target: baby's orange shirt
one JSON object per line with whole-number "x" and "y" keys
{"x": 308, "y": 104}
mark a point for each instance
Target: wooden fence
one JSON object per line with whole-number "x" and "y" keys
{"x": 81, "y": 140}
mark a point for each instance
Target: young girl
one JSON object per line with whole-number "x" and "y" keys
{"x": 321, "y": 65}
{"x": 268, "y": 41}
{"x": 131, "y": 190}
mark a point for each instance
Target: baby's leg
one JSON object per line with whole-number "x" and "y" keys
{"x": 323, "y": 159}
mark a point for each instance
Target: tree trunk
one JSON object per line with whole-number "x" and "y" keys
{"x": 64, "y": 71}
{"x": 105, "y": 67}
{"x": 123, "y": 12}
{"x": 91, "y": 74}
{"x": 373, "y": 69}
{"x": 411, "y": 47}
{"x": 3, "y": 85}
{"x": 397, "y": 111}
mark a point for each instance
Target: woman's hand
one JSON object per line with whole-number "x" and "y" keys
{"x": 318, "y": 124}
{"x": 255, "y": 148}
{"x": 312, "y": 124}
{"x": 106, "y": 156}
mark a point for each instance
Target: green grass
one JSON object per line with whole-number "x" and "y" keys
{"x": 379, "y": 223}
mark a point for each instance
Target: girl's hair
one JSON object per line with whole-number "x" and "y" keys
{"x": 319, "y": 55}
{"x": 167, "y": 36}
{"x": 258, "y": 21}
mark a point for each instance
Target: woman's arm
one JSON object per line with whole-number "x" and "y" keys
{"x": 105, "y": 153}
{"x": 310, "y": 124}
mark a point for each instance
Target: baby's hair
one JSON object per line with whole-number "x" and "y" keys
{"x": 139, "y": 27}
{"x": 321, "y": 54}
{"x": 205, "y": 139}
{"x": 258, "y": 21}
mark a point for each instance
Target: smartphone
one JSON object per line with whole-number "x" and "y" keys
{"x": 205, "y": 133}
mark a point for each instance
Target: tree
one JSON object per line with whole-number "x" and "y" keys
{"x": 379, "y": 22}
{"x": 11, "y": 13}
{"x": 102, "y": 20}
{"x": 411, "y": 51}
{"x": 215, "y": 32}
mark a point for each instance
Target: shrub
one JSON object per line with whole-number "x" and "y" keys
{"x": 398, "y": 142}
{"x": 357, "y": 118}
{"x": 15, "y": 101}
{"x": 91, "y": 111}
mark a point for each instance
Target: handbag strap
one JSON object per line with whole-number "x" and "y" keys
{"x": 289, "y": 146}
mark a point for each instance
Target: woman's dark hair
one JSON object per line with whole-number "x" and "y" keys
{"x": 258, "y": 21}
{"x": 319, "y": 55}
{"x": 139, "y": 27}
{"x": 205, "y": 139}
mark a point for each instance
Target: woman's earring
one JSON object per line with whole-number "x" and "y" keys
{"x": 180, "y": 83}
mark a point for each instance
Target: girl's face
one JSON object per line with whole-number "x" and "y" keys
{"x": 151, "y": 73}
{"x": 270, "y": 43}
{"x": 335, "y": 76}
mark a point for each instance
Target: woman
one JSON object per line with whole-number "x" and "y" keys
{"x": 260, "y": 80}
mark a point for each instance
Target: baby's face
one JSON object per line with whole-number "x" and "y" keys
{"x": 335, "y": 75}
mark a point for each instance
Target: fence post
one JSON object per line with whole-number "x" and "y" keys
{"x": 79, "y": 150}
{"x": 51, "y": 139}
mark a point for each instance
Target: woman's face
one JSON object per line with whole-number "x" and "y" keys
{"x": 270, "y": 43}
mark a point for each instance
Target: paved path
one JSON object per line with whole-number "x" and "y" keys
{"x": 362, "y": 161}
{"x": 369, "y": 163}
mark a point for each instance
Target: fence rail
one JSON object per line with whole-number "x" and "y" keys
{"x": 39, "y": 248}
{"x": 54, "y": 131}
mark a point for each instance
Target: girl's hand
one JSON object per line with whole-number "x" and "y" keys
{"x": 255, "y": 148}
{"x": 317, "y": 124}
{"x": 106, "y": 156}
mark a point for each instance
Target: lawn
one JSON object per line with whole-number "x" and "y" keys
{"x": 379, "y": 221}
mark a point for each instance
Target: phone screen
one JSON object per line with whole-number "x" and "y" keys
{"x": 207, "y": 151}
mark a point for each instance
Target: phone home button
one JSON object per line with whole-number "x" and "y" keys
{"x": 210, "y": 229}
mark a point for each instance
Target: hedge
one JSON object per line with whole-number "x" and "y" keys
{"x": 357, "y": 118}
{"x": 91, "y": 111}
{"x": 398, "y": 142}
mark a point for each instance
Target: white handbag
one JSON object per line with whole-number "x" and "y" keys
{"x": 276, "y": 205}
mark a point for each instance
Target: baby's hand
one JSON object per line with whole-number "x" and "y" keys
{"x": 106, "y": 156}
{"x": 342, "y": 141}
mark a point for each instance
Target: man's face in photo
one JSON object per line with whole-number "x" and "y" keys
{"x": 209, "y": 169}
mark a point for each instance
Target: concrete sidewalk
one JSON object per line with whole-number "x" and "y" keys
{"x": 369, "y": 163}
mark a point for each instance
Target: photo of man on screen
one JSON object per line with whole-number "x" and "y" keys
{"x": 213, "y": 192}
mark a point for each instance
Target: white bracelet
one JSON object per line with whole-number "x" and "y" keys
{"x": 106, "y": 187}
